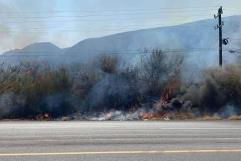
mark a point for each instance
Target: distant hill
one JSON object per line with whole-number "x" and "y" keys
{"x": 43, "y": 51}
{"x": 36, "y": 49}
{"x": 198, "y": 41}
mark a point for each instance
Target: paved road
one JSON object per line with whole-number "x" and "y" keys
{"x": 120, "y": 141}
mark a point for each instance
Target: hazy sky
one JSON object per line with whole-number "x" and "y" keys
{"x": 66, "y": 22}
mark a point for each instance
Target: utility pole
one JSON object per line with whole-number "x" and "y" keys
{"x": 221, "y": 41}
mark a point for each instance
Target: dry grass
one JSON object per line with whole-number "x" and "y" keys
{"x": 210, "y": 118}
{"x": 234, "y": 118}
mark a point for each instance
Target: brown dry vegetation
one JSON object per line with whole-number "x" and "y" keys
{"x": 38, "y": 91}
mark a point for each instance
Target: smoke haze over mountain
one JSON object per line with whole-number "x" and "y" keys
{"x": 197, "y": 41}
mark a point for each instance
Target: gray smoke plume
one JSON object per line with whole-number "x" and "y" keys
{"x": 9, "y": 103}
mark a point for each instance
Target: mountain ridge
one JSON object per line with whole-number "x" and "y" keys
{"x": 198, "y": 35}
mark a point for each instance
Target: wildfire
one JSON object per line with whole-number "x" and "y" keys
{"x": 165, "y": 96}
{"x": 170, "y": 88}
{"x": 150, "y": 116}
{"x": 44, "y": 116}
{"x": 159, "y": 105}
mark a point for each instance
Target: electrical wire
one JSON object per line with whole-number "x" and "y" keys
{"x": 91, "y": 52}
{"x": 194, "y": 8}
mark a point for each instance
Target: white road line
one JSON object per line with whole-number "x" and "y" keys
{"x": 102, "y": 129}
{"x": 122, "y": 152}
{"x": 107, "y": 135}
{"x": 90, "y": 140}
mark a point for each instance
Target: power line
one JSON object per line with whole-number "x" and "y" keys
{"x": 85, "y": 19}
{"x": 48, "y": 30}
{"x": 75, "y": 29}
{"x": 126, "y": 52}
{"x": 234, "y": 39}
{"x": 115, "y": 11}
{"x": 33, "y": 30}
{"x": 232, "y": 8}
{"x": 91, "y": 15}
{"x": 80, "y": 16}
{"x": 99, "y": 14}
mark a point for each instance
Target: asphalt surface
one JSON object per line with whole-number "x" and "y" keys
{"x": 120, "y": 141}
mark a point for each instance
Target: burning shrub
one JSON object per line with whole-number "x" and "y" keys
{"x": 127, "y": 88}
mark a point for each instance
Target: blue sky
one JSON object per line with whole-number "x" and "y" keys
{"x": 66, "y": 22}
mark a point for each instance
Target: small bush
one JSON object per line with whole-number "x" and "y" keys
{"x": 218, "y": 89}
{"x": 108, "y": 63}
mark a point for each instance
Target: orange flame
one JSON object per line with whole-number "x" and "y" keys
{"x": 168, "y": 90}
{"x": 44, "y": 116}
